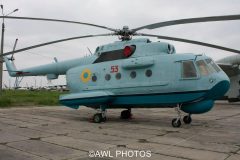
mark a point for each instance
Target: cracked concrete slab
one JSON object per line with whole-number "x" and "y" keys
{"x": 46, "y": 150}
{"x": 234, "y": 157}
{"x": 121, "y": 153}
{"x": 44, "y": 133}
{"x": 7, "y": 153}
{"x": 203, "y": 145}
{"x": 30, "y": 133}
{"x": 6, "y": 137}
{"x": 80, "y": 144}
{"x": 181, "y": 152}
{"x": 103, "y": 138}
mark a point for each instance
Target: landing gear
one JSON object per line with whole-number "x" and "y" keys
{"x": 126, "y": 114}
{"x": 97, "y": 118}
{"x": 187, "y": 119}
{"x": 101, "y": 116}
{"x": 176, "y": 122}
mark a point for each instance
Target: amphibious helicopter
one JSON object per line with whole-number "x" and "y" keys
{"x": 134, "y": 73}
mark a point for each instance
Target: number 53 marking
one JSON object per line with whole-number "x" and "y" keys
{"x": 114, "y": 69}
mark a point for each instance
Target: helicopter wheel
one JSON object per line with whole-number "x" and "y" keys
{"x": 126, "y": 114}
{"x": 97, "y": 118}
{"x": 176, "y": 123}
{"x": 187, "y": 119}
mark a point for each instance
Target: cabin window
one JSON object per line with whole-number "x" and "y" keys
{"x": 118, "y": 76}
{"x": 108, "y": 77}
{"x": 188, "y": 70}
{"x": 148, "y": 73}
{"x": 133, "y": 74}
{"x": 202, "y": 67}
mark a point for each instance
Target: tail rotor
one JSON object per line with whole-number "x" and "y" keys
{"x": 14, "y": 47}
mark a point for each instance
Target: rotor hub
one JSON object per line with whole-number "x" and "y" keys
{"x": 125, "y": 34}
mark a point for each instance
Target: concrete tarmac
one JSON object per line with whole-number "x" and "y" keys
{"x": 59, "y": 133}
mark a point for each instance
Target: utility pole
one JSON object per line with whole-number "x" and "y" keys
{"x": 2, "y": 45}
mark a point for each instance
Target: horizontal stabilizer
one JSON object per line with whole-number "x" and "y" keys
{"x": 18, "y": 73}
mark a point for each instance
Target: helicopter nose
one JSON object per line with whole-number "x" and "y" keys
{"x": 219, "y": 90}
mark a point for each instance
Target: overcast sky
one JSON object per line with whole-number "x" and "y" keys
{"x": 114, "y": 14}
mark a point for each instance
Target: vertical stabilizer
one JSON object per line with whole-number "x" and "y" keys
{"x": 11, "y": 68}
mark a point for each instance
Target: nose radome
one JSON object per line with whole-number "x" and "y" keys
{"x": 219, "y": 90}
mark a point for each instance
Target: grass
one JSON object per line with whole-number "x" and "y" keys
{"x": 14, "y": 98}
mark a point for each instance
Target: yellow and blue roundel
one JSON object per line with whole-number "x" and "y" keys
{"x": 86, "y": 75}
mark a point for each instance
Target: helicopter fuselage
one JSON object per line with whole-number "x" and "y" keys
{"x": 138, "y": 73}
{"x": 153, "y": 77}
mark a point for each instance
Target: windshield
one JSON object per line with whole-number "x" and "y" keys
{"x": 202, "y": 66}
{"x": 213, "y": 66}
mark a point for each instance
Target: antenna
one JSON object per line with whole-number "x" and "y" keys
{"x": 2, "y": 43}
{"x": 89, "y": 51}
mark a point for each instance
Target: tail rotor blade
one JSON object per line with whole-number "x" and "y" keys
{"x": 14, "y": 47}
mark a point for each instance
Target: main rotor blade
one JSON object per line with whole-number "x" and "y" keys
{"x": 56, "y": 41}
{"x": 58, "y": 20}
{"x": 188, "y": 20}
{"x": 192, "y": 42}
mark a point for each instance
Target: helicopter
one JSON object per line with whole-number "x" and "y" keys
{"x": 136, "y": 73}
{"x": 231, "y": 66}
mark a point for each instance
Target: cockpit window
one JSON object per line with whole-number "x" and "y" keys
{"x": 213, "y": 65}
{"x": 188, "y": 70}
{"x": 202, "y": 67}
{"x": 210, "y": 67}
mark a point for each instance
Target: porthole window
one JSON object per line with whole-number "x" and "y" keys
{"x": 169, "y": 48}
{"x": 118, "y": 76}
{"x": 133, "y": 74}
{"x": 108, "y": 77}
{"x": 94, "y": 78}
{"x": 148, "y": 73}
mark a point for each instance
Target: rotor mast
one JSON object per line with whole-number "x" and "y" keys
{"x": 124, "y": 34}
